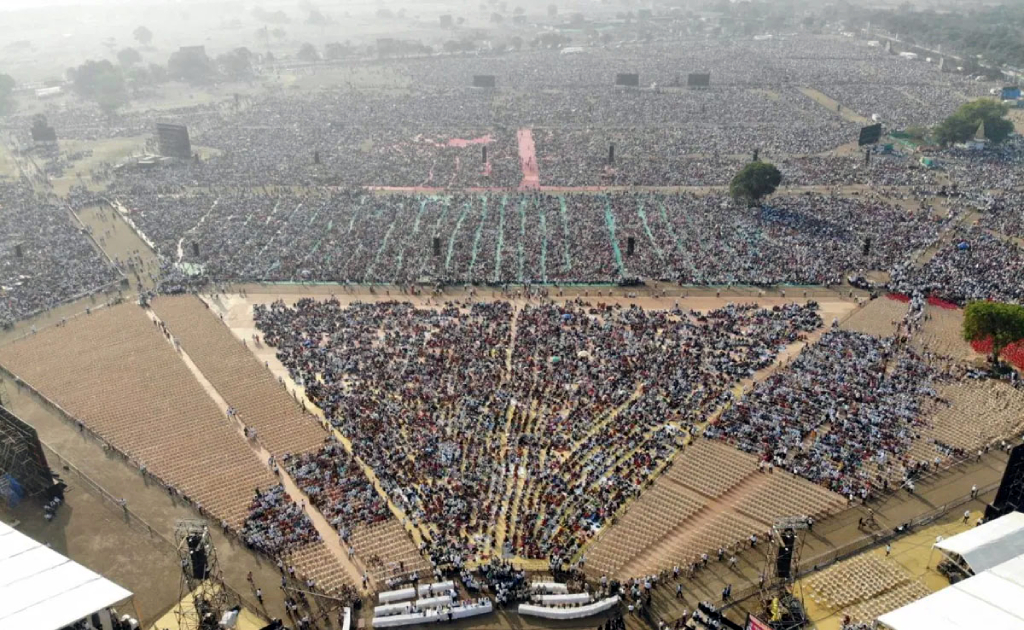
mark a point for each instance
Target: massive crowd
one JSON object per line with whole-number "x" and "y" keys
{"x": 592, "y": 401}
{"x": 844, "y": 411}
{"x": 276, "y": 524}
{"x": 358, "y": 237}
{"x": 46, "y": 256}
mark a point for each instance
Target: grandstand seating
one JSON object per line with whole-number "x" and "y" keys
{"x": 246, "y": 385}
{"x": 114, "y": 372}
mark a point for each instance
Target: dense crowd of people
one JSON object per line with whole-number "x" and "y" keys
{"x": 593, "y": 400}
{"x": 357, "y": 237}
{"x": 276, "y": 524}
{"x": 847, "y": 407}
{"x": 973, "y": 265}
{"x": 337, "y": 486}
{"x": 46, "y": 256}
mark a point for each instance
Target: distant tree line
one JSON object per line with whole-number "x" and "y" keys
{"x": 994, "y": 32}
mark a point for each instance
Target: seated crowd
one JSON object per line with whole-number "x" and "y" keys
{"x": 593, "y": 402}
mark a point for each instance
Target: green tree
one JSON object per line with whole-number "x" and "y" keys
{"x": 128, "y": 57}
{"x": 6, "y": 94}
{"x": 1002, "y": 323}
{"x": 191, "y": 65}
{"x": 143, "y": 35}
{"x": 307, "y": 52}
{"x": 236, "y": 64}
{"x": 754, "y": 182}
{"x": 964, "y": 123}
{"x": 101, "y": 82}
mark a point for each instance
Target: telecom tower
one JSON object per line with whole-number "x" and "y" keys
{"x": 203, "y": 598}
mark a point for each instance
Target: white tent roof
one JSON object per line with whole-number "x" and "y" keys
{"x": 43, "y": 590}
{"x": 989, "y": 544}
{"x": 992, "y": 599}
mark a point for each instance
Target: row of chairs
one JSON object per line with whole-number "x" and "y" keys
{"x": 898, "y": 597}
{"x": 114, "y": 372}
{"x": 316, "y": 562}
{"x": 997, "y": 411}
{"x": 878, "y": 317}
{"x": 261, "y": 401}
{"x": 387, "y": 551}
{"x": 858, "y": 579}
{"x": 712, "y": 468}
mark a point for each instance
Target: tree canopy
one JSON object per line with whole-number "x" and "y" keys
{"x": 308, "y": 52}
{"x": 191, "y": 65}
{"x": 964, "y": 123}
{"x": 994, "y": 32}
{"x": 754, "y": 182}
{"x": 6, "y": 94}
{"x": 1002, "y": 323}
{"x": 128, "y": 57}
{"x": 101, "y": 82}
{"x": 143, "y": 35}
{"x": 236, "y": 64}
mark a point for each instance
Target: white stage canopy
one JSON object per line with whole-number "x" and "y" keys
{"x": 988, "y": 544}
{"x": 43, "y": 590}
{"x": 991, "y": 599}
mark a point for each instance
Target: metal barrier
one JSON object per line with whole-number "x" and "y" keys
{"x": 133, "y": 519}
{"x": 824, "y": 560}
{"x": 130, "y": 517}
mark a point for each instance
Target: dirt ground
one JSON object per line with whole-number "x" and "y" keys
{"x": 105, "y": 542}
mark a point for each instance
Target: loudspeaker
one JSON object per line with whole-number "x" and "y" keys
{"x": 484, "y": 156}
{"x": 611, "y": 154}
{"x": 195, "y": 249}
{"x": 630, "y": 246}
{"x": 783, "y": 569}
{"x": 437, "y": 246}
{"x": 867, "y": 246}
{"x": 1010, "y": 496}
{"x": 18, "y": 251}
{"x": 198, "y": 554}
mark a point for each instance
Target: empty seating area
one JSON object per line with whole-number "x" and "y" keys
{"x": 940, "y": 332}
{"x": 719, "y": 529}
{"x": 658, "y": 511}
{"x": 711, "y": 468}
{"x": 315, "y": 561}
{"x": 114, "y": 372}
{"x": 996, "y": 411}
{"x": 860, "y": 579}
{"x": 387, "y": 551}
{"x": 898, "y": 597}
{"x": 879, "y": 317}
{"x": 783, "y": 494}
{"x": 261, "y": 401}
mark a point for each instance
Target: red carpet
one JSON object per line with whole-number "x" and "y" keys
{"x": 528, "y": 160}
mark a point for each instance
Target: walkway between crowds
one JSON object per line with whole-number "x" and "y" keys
{"x": 528, "y": 160}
